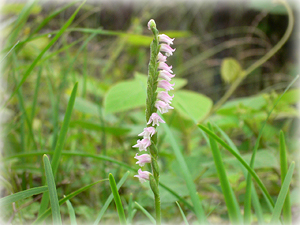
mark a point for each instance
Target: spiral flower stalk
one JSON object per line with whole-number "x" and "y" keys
{"x": 158, "y": 69}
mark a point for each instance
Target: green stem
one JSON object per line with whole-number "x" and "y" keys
{"x": 150, "y": 108}
{"x": 157, "y": 209}
{"x": 261, "y": 61}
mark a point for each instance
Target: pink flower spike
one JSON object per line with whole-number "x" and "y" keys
{"x": 165, "y": 84}
{"x": 165, "y": 75}
{"x": 167, "y": 49}
{"x": 142, "y": 144}
{"x": 154, "y": 119}
{"x": 164, "y": 66}
{"x": 164, "y": 96}
{"x": 148, "y": 131}
{"x": 143, "y": 175}
{"x": 143, "y": 159}
{"x": 162, "y": 106}
{"x": 165, "y": 38}
{"x": 161, "y": 57}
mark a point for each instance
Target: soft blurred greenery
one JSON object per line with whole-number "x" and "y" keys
{"x": 106, "y": 50}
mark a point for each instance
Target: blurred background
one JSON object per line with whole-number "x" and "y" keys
{"x": 106, "y": 46}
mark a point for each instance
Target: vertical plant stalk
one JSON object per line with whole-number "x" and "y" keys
{"x": 150, "y": 108}
{"x": 155, "y": 101}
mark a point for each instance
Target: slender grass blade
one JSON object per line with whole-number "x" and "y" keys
{"x": 247, "y": 204}
{"x": 230, "y": 199}
{"x": 61, "y": 201}
{"x": 254, "y": 196}
{"x": 71, "y": 213}
{"x": 182, "y": 213}
{"x": 109, "y": 199}
{"x": 282, "y": 194}
{"x": 287, "y": 214}
{"x": 242, "y": 161}
{"x": 117, "y": 198}
{"x": 61, "y": 31}
{"x": 52, "y": 192}
{"x": 187, "y": 176}
{"x": 22, "y": 195}
{"x": 63, "y": 131}
{"x": 146, "y": 213}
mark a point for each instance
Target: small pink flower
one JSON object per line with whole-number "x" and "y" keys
{"x": 161, "y": 57}
{"x": 148, "y": 131}
{"x": 164, "y": 96}
{"x": 165, "y": 75}
{"x": 154, "y": 119}
{"x": 167, "y": 49}
{"x": 162, "y": 106}
{"x": 143, "y": 175}
{"x": 142, "y": 144}
{"x": 164, "y": 66}
{"x": 165, "y": 84}
{"x": 165, "y": 38}
{"x": 143, "y": 159}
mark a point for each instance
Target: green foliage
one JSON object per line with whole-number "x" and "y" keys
{"x": 230, "y": 199}
{"x": 282, "y": 194}
{"x": 76, "y": 91}
{"x": 192, "y": 105}
{"x": 116, "y": 101}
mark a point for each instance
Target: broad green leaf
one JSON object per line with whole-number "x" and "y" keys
{"x": 253, "y": 102}
{"x": 191, "y": 104}
{"x": 22, "y": 194}
{"x": 230, "y": 70}
{"x": 86, "y": 106}
{"x": 225, "y": 121}
{"x": 124, "y": 96}
{"x": 291, "y": 96}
